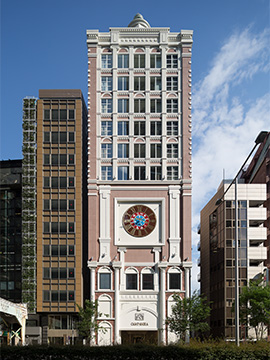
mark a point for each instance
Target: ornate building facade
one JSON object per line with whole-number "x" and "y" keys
{"x": 139, "y": 177}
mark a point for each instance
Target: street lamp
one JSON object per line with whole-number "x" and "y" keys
{"x": 260, "y": 138}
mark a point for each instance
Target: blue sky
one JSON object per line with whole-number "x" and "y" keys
{"x": 43, "y": 45}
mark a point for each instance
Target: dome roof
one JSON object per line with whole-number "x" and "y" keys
{"x": 139, "y": 21}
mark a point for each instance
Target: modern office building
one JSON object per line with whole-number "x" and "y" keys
{"x": 54, "y": 230}
{"x": 258, "y": 172}
{"x": 217, "y": 251}
{"x": 11, "y": 230}
{"x": 139, "y": 177}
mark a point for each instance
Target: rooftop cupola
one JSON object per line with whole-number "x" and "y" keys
{"x": 139, "y": 22}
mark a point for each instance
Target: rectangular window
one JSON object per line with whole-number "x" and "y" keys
{"x": 104, "y": 281}
{"x": 54, "y": 205}
{"x": 54, "y": 273}
{"x": 62, "y": 227}
{"x": 71, "y": 227}
{"x": 139, "y": 150}
{"x": 123, "y": 172}
{"x": 139, "y": 128}
{"x": 46, "y": 295}
{"x": 147, "y": 281}
{"x": 106, "y": 128}
{"x": 106, "y": 172}
{"x": 139, "y": 83}
{"x": 63, "y": 114}
{"x": 123, "y": 83}
{"x": 55, "y": 137}
{"x": 62, "y": 273}
{"x": 172, "y": 105}
{"x": 71, "y": 159}
{"x": 155, "y": 151}
{"x": 174, "y": 281}
{"x": 63, "y": 205}
{"x": 155, "y": 172}
{"x": 131, "y": 282}
{"x": 71, "y": 273}
{"x": 123, "y": 128}
{"x": 172, "y": 61}
{"x": 106, "y": 106}
{"x": 71, "y": 250}
{"x": 54, "y": 158}
{"x": 71, "y": 113}
{"x": 172, "y": 128}
{"x": 71, "y": 296}
{"x": 55, "y": 295}
{"x": 63, "y": 295}
{"x": 139, "y": 105}
{"x": 106, "y": 83}
{"x": 63, "y": 250}
{"x": 172, "y": 150}
{"x": 46, "y": 227}
{"x": 63, "y": 182}
{"x": 106, "y": 151}
{"x": 46, "y": 182}
{"x": 139, "y": 61}
{"x": 155, "y": 61}
{"x": 123, "y": 61}
{"x": 46, "y": 250}
{"x": 71, "y": 204}
{"x": 54, "y": 250}
{"x": 155, "y": 83}
{"x": 139, "y": 172}
{"x": 106, "y": 61}
{"x": 54, "y": 181}
{"x": 46, "y": 205}
{"x": 46, "y": 136}
{"x": 55, "y": 114}
{"x": 155, "y": 105}
{"x": 47, "y": 115}
{"x": 155, "y": 128}
{"x": 46, "y": 273}
{"x": 63, "y": 159}
{"x": 71, "y": 137}
{"x": 172, "y": 83}
{"x": 123, "y": 105}
{"x": 46, "y": 159}
{"x": 172, "y": 173}
{"x": 123, "y": 151}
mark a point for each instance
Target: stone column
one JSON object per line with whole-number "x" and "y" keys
{"x": 92, "y": 265}
{"x": 117, "y": 266}
{"x": 162, "y": 303}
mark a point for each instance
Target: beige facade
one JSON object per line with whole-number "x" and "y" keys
{"x": 139, "y": 177}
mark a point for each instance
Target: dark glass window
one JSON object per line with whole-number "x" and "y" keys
{"x": 54, "y": 159}
{"x": 55, "y": 137}
{"x": 63, "y": 182}
{"x": 71, "y": 159}
{"x": 54, "y": 181}
{"x": 71, "y": 273}
{"x": 148, "y": 282}
{"x": 104, "y": 280}
{"x": 71, "y": 114}
{"x": 71, "y": 205}
{"x": 46, "y": 204}
{"x": 63, "y": 227}
{"x": 139, "y": 172}
{"x": 63, "y": 250}
{"x": 63, "y": 137}
{"x": 71, "y": 250}
{"x": 46, "y": 250}
{"x": 174, "y": 281}
{"x": 46, "y": 159}
{"x": 71, "y": 137}
{"x": 63, "y": 296}
{"x": 54, "y": 227}
{"x": 71, "y": 182}
{"x": 63, "y": 273}
{"x": 55, "y": 205}
{"x": 54, "y": 273}
{"x": 54, "y": 296}
{"x": 63, "y": 159}
{"x": 63, "y": 205}
{"x": 46, "y": 273}
{"x": 46, "y": 182}
{"x": 46, "y": 295}
{"x": 54, "y": 114}
{"x": 54, "y": 250}
{"x": 46, "y": 227}
{"x": 71, "y": 227}
{"x": 46, "y": 114}
{"x": 71, "y": 296}
{"x": 131, "y": 281}
{"x": 63, "y": 114}
{"x": 46, "y": 136}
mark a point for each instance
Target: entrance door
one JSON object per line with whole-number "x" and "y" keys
{"x": 139, "y": 337}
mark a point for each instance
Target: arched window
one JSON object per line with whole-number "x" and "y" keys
{"x": 105, "y": 334}
{"x": 174, "y": 278}
{"x": 131, "y": 279}
{"x": 104, "y": 278}
{"x": 105, "y": 306}
{"x": 147, "y": 278}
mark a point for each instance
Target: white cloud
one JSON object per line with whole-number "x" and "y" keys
{"x": 226, "y": 126}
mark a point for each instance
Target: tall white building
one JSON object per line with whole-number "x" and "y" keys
{"x": 139, "y": 177}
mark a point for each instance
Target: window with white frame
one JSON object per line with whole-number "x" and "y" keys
{"x": 123, "y": 172}
{"x": 172, "y": 128}
{"x": 105, "y": 306}
{"x": 139, "y": 83}
{"x": 172, "y": 105}
{"x": 155, "y": 105}
{"x": 123, "y": 83}
{"x": 155, "y": 83}
{"x": 123, "y": 61}
{"x": 106, "y": 105}
{"x": 106, "y": 128}
{"x": 106, "y": 172}
{"x": 172, "y": 61}
{"x": 155, "y": 61}
{"x": 123, "y": 151}
{"x": 106, "y": 151}
{"x": 155, "y": 172}
{"x": 123, "y": 128}
{"x": 139, "y": 105}
{"x": 172, "y": 173}
{"x": 104, "y": 277}
{"x": 131, "y": 279}
{"x": 155, "y": 128}
{"x": 123, "y": 105}
{"x": 106, "y": 83}
{"x": 147, "y": 279}
{"x": 139, "y": 150}
{"x": 139, "y": 172}
{"x": 172, "y": 150}
{"x": 139, "y": 61}
{"x": 172, "y": 83}
{"x": 139, "y": 128}
{"x": 174, "y": 279}
{"x": 106, "y": 61}
{"x": 155, "y": 151}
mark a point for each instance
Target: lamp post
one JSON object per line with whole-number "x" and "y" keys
{"x": 260, "y": 138}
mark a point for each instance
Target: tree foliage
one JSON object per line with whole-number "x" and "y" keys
{"x": 254, "y": 303}
{"x": 88, "y": 323}
{"x": 189, "y": 314}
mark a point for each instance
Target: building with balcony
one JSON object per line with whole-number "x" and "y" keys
{"x": 139, "y": 177}
{"x": 217, "y": 251}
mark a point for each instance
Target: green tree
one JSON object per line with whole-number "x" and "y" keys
{"x": 88, "y": 325}
{"x": 189, "y": 314}
{"x": 254, "y": 302}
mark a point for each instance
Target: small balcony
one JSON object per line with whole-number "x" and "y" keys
{"x": 257, "y": 233}
{"x": 257, "y": 253}
{"x": 258, "y": 213}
